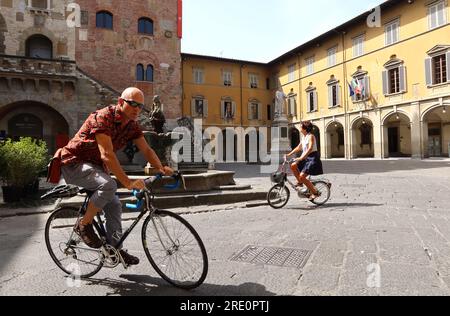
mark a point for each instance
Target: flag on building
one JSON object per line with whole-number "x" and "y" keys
{"x": 356, "y": 86}
{"x": 352, "y": 92}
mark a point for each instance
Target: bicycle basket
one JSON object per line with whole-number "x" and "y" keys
{"x": 277, "y": 177}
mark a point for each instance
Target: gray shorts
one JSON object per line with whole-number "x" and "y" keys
{"x": 93, "y": 178}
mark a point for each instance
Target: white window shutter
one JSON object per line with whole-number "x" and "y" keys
{"x": 222, "y": 109}
{"x": 330, "y": 96}
{"x": 233, "y": 109}
{"x": 428, "y": 72}
{"x": 402, "y": 74}
{"x": 308, "y": 101}
{"x": 193, "y": 112}
{"x": 385, "y": 82}
{"x": 259, "y": 111}
{"x": 249, "y": 112}
{"x": 205, "y": 108}
{"x": 366, "y": 87}
{"x": 447, "y": 56}
{"x": 316, "y": 99}
{"x": 338, "y": 95}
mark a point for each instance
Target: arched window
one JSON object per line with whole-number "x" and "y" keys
{"x": 149, "y": 73}
{"x": 39, "y": 46}
{"x": 104, "y": 20}
{"x": 145, "y": 26}
{"x": 140, "y": 72}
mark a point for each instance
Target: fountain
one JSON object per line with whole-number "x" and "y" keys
{"x": 198, "y": 177}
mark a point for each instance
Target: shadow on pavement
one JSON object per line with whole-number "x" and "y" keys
{"x": 332, "y": 206}
{"x": 141, "y": 285}
{"x": 349, "y": 205}
{"x": 15, "y": 233}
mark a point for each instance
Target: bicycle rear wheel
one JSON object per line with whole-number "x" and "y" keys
{"x": 278, "y": 196}
{"x": 66, "y": 248}
{"x": 324, "y": 190}
{"x": 175, "y": 250}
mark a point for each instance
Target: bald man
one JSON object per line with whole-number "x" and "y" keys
{"x": 90, "y": 156}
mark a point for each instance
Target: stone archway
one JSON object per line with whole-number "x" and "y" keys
{"x": 436, "y": 131}
{"x": 252, "y": 147}
{"x": 397, "y": 137}
{"x": 316, "y": 133}
{"x": 294, "y": 136}
{"x": 335, "y": 140}
{"x": 363, "y": 139}
{"x": 229, "y": 146}
{"x": 25, "y": 125}
{"x": 39, "y": 46}
{"x": 34, "y": 119}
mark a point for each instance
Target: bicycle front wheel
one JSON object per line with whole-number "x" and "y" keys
{"x": 175, "y": 250}
{"x": 278, "y": 196}
{"x": 66, "y": 248}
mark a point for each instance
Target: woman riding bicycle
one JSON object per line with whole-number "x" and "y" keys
{"x": 309, "y": 163}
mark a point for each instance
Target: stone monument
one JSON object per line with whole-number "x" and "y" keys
{"x": 280, "y": 138}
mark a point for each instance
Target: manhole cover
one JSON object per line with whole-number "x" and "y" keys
{"x": 280, "y": 257}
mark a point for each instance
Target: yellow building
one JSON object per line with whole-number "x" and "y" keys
{"x": 396, "y": 62}
{"x": 226, "y": 93}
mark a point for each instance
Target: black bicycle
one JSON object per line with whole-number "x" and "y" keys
{"x": 278, "y": 196}
{"x": 171, "y": 244}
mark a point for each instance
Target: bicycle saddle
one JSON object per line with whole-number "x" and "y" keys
{"x": 61, "y": 191}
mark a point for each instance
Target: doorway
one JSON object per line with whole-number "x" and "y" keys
{"x": 394, "y": 141}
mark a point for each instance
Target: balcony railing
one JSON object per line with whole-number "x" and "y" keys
{"x": 35, "y": 66}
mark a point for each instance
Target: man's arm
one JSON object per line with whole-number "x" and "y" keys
{"x": 149, "y": 154}
{"x": 110, "y": 159}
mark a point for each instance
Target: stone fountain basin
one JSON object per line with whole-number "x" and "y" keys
{"x": 200, "y": 182}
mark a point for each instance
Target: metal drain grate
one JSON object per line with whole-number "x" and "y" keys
{"x": 280, "y": 257}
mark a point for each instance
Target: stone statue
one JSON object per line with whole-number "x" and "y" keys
{"x": 280, "y": 98}
{"x": 157, "y": 117}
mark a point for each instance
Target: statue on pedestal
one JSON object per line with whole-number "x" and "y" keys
{"x": 280, "y": 99}
{"x": 157, "y": 117}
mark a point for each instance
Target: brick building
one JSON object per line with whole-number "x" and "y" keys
{"x": 52, "y": 75}
{"x": 125, "y": 43}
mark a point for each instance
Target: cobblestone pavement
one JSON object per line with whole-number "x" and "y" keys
{"x": 385, "y": 231}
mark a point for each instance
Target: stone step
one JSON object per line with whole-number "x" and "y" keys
{"x": 182, "y": 200}
{"x": 233, "y": 187}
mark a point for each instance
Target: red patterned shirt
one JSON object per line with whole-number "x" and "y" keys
{"x": 83, "y": 148}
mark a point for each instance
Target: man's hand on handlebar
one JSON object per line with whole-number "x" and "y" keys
{"x": 136, "y": 185}
{"x": 166, "y": 171}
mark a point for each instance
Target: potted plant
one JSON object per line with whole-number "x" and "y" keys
{"x": 20, "y": 165}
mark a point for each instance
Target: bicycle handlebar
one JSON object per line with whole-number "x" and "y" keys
{"x": 151, "y": 181}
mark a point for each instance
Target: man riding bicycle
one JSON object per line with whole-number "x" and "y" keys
{"x": 90, "y": 156}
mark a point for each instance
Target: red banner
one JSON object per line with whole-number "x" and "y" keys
{"x": 180, "y": 18}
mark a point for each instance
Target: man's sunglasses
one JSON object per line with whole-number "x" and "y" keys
{"x": 135, "y": 104}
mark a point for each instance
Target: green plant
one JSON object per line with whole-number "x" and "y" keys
{"x": 21, "y": 162}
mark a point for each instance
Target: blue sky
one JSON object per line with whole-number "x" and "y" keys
{"x": 261, "y": 30}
